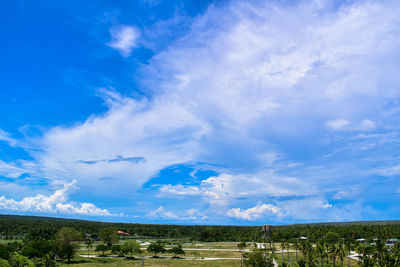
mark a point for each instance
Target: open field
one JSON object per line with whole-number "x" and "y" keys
{"x": 121, "y": 262}
{"x": 197, "y": 254}
{"x": 292, "y": 259}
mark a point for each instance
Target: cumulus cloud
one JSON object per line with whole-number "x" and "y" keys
{"x": 253, "y": 213}
{"x": 55, "y": 203}
{"x": 224, "y": 188}
{"x": 190, "y": 214}
{"x": 124, "y": 39}
{"x": 246, "y": 81}
{"x": 162, "y": 133}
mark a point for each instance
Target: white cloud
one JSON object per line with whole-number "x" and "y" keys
{"x": 5, "y": 136}
{"x": 124, "y": 39}
{"x": 225, "y": 188}
{"x": 253, "y": 213}
{"x": 11, "y": 169}
{"x": 55, "y": 203}
{"x": 160, "y": 133}
{"x": 338, "y": 124}
{"x": 345, "y": 125}
{"x": 247, "y": 82}
{"x": 190, "y": 214}
{"x": 366, "y": 125}
{"x": 389, "y": 171}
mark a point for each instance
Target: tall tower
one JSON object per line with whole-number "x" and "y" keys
{"x": 267, "y": 233}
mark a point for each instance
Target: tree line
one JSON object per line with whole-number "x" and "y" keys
{"x": 20, "y": 226}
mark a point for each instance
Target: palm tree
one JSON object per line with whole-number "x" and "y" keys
{"x": 320, "y": 249}
{"x": 296, "y": 245}
{"x": 327, "y": 252}
{"x": 303, "y": 247}
{"x": 341, "y": 252}
{"x": 379, "y": 252}
{"x": 301, "y": 263}
{"x": 89, "y": 245}
{"x": 365, "y": 252}
{"x": 242, "y": 246}
{"x": 283, "y": 246}
{"x": 287, "y": 249}
{"x": 333, "y": 251}
{"x": 349, "y": 247}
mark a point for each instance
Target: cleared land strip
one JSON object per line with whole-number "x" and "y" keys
{"x": 186, "y": 258}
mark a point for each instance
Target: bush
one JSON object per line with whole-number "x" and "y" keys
{"x": 17, "y": 260}
{"x": 37, "y": 249}
{"x": 258, "y": 258}
{"x": 4, "y": 263}
{"x": 102, "y": 248}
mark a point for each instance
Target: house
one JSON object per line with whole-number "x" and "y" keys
{"x": 123, "y": 234}
{"x": 391, "y": 241}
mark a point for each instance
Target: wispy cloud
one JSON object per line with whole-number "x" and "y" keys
{"x": 345, "y": 125}
{"x": 191, "y": 214}
{"x": 118, "y": 158}
{"x": 248, "y": 82}
{"x": 5, "y": 136}
{"x": 124, "y": 39}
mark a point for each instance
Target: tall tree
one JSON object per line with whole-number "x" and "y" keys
{"x": 296, "y": 245}
{"x": 242, "y": 246}
{"x": 109, "y": 236}
{"x": 156, "y": 248}
{"x": 258, "y": 258}
{"x": 89, "y": 245}
{"x": 131, "y": 246}
{"x": 349, "y": 247}
{"x": 341, "y": 252}
{"x": 320, "y": 249}
{"x": 177, "y": 250}
{"x": 66, "y": 242}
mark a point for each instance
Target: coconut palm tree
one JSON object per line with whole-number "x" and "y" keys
{"x": 283, "y": 246}
{"x": 242, "y": 246}
{"x": 327, "y": 252}
{"x": 341, "y": 252}
{"x": 295, "y": 242}
{"x": 89, "y": 245}
{"x": 333, "y": 252}
{"x": 365, "y": 251}
{"x": 320, "y": 249}
{"x": 287, "y": 249}
{"x": 379, "y": 252}
{"x": 349, "y": 247}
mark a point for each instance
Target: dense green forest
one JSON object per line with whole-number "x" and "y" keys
{"x": 45, "y": 241}
{"x": 12, "y": 226}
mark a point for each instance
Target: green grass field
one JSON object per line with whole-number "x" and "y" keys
{"x": 292, "y": 260}
{"x": 122, "y": 262}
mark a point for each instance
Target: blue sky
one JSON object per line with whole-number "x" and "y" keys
{"x": 200, "y": 112}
